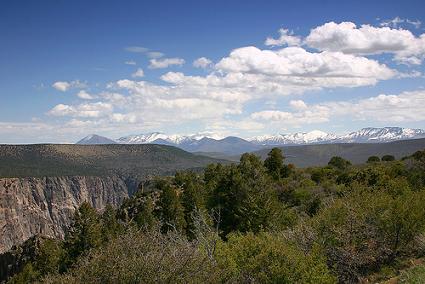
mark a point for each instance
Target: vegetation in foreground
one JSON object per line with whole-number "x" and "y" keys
{"x": 255, "y": 222}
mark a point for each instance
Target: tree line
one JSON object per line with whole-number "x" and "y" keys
{"x": 255, "y": 221}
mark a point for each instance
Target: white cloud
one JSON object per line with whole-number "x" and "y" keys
{"x": 286, "y": 38}
{"x": 295, "y": 65}
{"x": 84, "y": 95}
{"x": 89, "y": 110}
{"x": 416, "y": 23}
{"x": 155, "y": 54}
{"x": 298, "y": 104}
{"x": 144, "y": 50}
{"x": 139, "y": 73}
{"x": 253, "y": 77}
{"x": 165, "y": 62}
{"x": 64, "y": 86}
{"x": 395, "y": 23}
{"x": 137, "y": 49}
{"x": 61, "y": 86}
{"x": 350, "y": 39}
{"x": 130, "y": 62}
{"x": 404, "y": 107}
{"x": 202, "y": 62}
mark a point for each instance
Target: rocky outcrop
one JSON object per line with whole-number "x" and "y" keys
{"x": 45, "y": 206}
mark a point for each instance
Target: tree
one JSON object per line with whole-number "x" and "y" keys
{"x": 387, "y": 158}
{"x": 84, "y": 234}
{"x": 244, "y": 197}
{"x": 419, "y": 157}
{"x": 274, "y": 164}
{"x": 373, "y": 159}
{"x": 192, "y": 198}
{"x": 145, "y": 218}
{"x": 169, "y": 211}
{"x": 49, "y": 257}
{"x": 111, "y": 228}
{"x": 339, "y": 163}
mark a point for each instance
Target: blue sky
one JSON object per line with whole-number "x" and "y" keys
{"x": 323, "y": 70}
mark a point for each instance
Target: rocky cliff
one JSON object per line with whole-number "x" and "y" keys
{"x": 45, "y": 206}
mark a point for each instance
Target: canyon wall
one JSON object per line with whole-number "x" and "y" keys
{"x": 45, "y": 206}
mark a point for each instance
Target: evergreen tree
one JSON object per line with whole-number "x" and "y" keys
{"x": 145, "y": 218}
{"x": 85, "y": 233}
{"x": 169, "y": 211}
{"x": 111, "y": 228}
{"x": 274, "y": 163}
{"x": 192, "y": 200}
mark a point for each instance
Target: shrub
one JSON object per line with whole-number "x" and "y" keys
{"x": 373, "y": 159}
{"x": 387, "y": 158}
{"x": 144, "y": 257}
{"x": 268, "y": 258}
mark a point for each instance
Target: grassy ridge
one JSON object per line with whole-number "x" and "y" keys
{"x": 98, "y": 160}
{"x": 357, "y": 153}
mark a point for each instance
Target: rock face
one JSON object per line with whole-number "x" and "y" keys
{"x": 45, "y": 206}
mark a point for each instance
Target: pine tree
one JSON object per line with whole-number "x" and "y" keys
{"x": 169, "y": 211}
{"x": 84, "y": 234}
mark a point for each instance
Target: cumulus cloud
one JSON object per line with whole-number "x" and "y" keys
{"x": 286, "y": 38}
{"x": 84, "y": 95}
{"x": 366, "y": 39}
{"x": 139, "y": 73}
{"x": 331, "y": 56}
{"x": 165, "y": 62}
{"x": 61, "y": 86}
{"x": 404, "y": 107}
{"x": 64, "y": 86}
{"x": 130, "y": 62}
{"x": 327, "y": 69}
{"x": 202, "y": 62}
{"x": 88, "y": 110}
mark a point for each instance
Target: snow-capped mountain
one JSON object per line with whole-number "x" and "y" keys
{"x": 365, "y": 135}
{"x": 161, "y": 138}
{"x": 384, "y": 134}
{"x": 315, "y": 136}
{"x": 207, "y": 142}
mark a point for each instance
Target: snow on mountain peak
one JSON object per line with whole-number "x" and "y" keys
{"x": 161, "y": 137}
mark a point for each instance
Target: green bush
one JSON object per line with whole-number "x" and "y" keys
{"x": 144, "y": 257}
{"x": 268, "y": 258}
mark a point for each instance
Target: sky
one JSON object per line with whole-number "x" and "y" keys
{"x": 242, "y": 68}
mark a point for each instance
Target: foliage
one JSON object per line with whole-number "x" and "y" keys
{"x": 366, "y": 230}
{"x": 373, "y": 159}
{"x": 169, "y": 210}
{"x": 339, "y": 163}
{"x": 84, "y": 234}
{"x": 387, "y": 158}
{"x": 414, "y": 275}
{"x": 144, "y": 257}
{"x": 274, "y": 164}
{"x": 267, "y": 258}
{"x": 251, "y": 222}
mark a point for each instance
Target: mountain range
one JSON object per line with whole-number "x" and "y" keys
{"x": 230, "y": 145}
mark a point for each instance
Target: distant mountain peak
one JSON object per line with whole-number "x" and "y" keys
{"x": 208, "y": 142}
{"x": 383, "y": 134}
{"x": 94, "y": 139}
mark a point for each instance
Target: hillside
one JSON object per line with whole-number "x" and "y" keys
{"x": 95, "y": 160}
{"x": 357, "y": 153}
